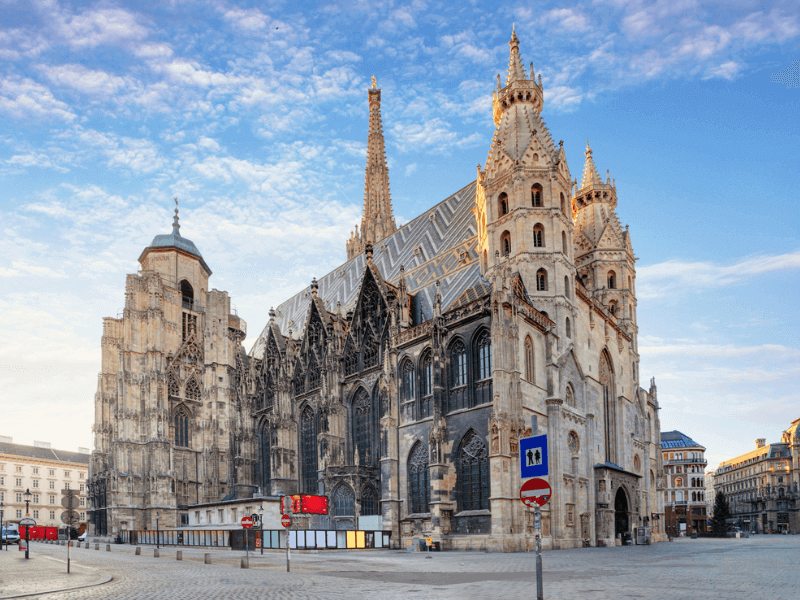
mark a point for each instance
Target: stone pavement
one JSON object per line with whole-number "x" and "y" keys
{"x": 703, "y": 569}
{"x": 43, "y": 572}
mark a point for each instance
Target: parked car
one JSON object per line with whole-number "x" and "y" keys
{"x": 10, "y": 536}
{"x": 82, "y": 537}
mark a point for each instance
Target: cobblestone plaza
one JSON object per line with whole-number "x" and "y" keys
{"x": 758, "y": 567}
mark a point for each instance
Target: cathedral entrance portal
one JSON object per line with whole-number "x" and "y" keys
{"x": 621, "y": 513}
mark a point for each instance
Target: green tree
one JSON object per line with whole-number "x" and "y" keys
{"x": 722, "y": 512}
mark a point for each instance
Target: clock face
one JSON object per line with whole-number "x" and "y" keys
{"x": 572, "y": 442}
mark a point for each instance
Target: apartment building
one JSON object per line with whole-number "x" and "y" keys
{"x": 44, "y": 472}
{"x": 685, "y": 509}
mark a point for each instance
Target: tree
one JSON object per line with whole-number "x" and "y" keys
{"x": 722, "y": 512}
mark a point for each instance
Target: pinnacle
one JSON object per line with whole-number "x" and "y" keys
{"x": 516, "y": 72}
{"x": 590, "y": 176}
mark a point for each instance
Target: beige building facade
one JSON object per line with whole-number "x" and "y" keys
{"x": 685, "y": 507}
{"x": 44, "y": 472}
{"x": 400, "y": 384}
{"x": 763, "y": 486}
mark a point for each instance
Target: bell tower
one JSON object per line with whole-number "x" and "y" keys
{"x": 522, "y": 201}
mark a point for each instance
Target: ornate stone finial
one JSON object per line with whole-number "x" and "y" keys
{"x": 314, "y": 287}
{"x": 368, "y": 251}
{"x": 374, "y": 83}
{"x": 271, "y": 315}
{"x": 175, "y": 225}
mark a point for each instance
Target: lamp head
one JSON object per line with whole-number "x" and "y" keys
{"x": 261, "y": 510}
{"x": 27, "y": 493}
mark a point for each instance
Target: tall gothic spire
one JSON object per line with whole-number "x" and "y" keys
{"x": 516, "y": 72}
{"x": 590, "y": 176}
{"x": 378, "y": 220}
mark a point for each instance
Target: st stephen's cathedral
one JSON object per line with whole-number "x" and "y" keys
{"x": 400, "y": 383}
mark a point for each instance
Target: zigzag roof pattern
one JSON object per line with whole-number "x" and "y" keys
{"x": 440, "y": 244}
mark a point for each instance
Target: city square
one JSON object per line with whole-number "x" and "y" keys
{"x": 762, "y": 566}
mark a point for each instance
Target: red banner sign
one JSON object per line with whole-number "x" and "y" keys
{"x": 311, "y": 505}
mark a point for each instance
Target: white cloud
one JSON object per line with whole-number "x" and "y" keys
{"x": 26, "y": 98}
{"x": 410, "y": 169}
{"x": 112, "y": 26}
{"x": 84, "y": 80}
{"x": 567, "y": 18}
{"x": 250, "y": 19}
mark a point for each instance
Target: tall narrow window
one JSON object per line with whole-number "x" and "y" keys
{"x": 538, "y": 236}
{"x": 563, "y": 204}
{"x": 564, "y": 243}
{"x": 529, "y": 372}
{"x": 419, "y": 481}
{"x": 182, "y": 427}
{"x": 350, "y": 358}
{"x": 362, "y": 426}
{"x": 369, "y": 501}
{"x": 426, "y": 379}
{"x": 193, "y": 390}
{"x": 314, "y": 375}
{"x": 502, "y": 204}
{"x": 609, "y": 408}
{"x": 265, "y": 466}
{"x": 458, "y": 364}
{"x": 344, "y": 501}
{"x": 484, "y": 355}
{"x": 473, "y": 474}
{"x": 187, "y": 294}
{"x": 541, "y": 280}
{"x": 536, "y": 195}
{"x": 408, "y": 381}
{"x": 612, "y": 280}
{"x": 308, "y": 441}
{"x": 174, "y": 390}
{"x": 570, "y": 396}
{"x": 568, "y": 328}
{"x": 566, "y": 286}
{"x": 505, "y": 243}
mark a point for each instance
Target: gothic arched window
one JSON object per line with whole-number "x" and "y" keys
{"x": 563, "y": 204}
{"x": 505, "y": 243}
{"x": 407, "y": 370}
{"x": 458, "y": 364}
{"x": 473, "y": 474}
{"x": 419, "y": 480}
{"x": 536, "y": 195}
{"x": 264, "y": 463}
{"x": 541, "y": 280}
{"x": 269, "y": 392}
{"x": 350, "y": 358}
{"x": 187, "y": 294}
{"x": 174, "y": 389}
{"x": 502, "y": 204}
{"x": 564, "y": 243}
{"x": 529, "y": 370}
{"x": 369, "y": 502}
{"x": 483, "y": 353}
{"x": 566, "y": 286}
{"x": 570, "y": 396}
{"x": 426, "y": 383}
{"x": 308, "y": 444}
{"x": 314, "y": 375}
{"x": 568, "y": 328}
{"x": 344, "y": 501}
{"x": 538, "y": 236}
{"x": 362, "y": 426}
{"x": 193, "y": 390}
{"x": 609, "y": 408}
{"x": 612, "y": 280}
{"x": 182, "y": 427}
{"x": 371, "y": 347}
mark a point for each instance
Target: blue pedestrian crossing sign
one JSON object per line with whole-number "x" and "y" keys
{"x": 533, "y": 456}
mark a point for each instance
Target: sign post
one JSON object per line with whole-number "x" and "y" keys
{"x": 286, "y": 521}
{"x": 247, "y": 523}
{"x": 70, "y": 502}
{"x": 535, "y": 492}
{"x": 28, "y": 523}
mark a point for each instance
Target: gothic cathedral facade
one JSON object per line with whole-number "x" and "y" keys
{"x": 400, "y": 384}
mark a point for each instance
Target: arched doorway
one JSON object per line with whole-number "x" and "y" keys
{"x": 621, "y": 525}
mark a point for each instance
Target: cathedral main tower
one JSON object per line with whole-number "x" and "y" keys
{"x": 166, "y": 415}
{"x": 378, "y": 220}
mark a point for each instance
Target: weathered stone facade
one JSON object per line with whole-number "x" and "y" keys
{"x": 401, "y": 383}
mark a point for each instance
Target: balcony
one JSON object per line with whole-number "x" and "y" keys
{"x": 687, "y": 461}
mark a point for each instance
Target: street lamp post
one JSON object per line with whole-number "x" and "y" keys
{"x": 261, "y": 521}
{"x": 27, "y": 495}
{"x": 157, "y": 532}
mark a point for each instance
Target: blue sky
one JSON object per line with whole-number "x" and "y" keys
{"x": 254, "y": 114}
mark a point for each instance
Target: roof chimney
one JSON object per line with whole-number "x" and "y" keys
{"x": 761, "y": 442}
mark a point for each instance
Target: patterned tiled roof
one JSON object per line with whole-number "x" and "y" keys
{"x": 676, "y": 439}
{"x": 440, "y": 244}
{"x": 43, "y": 453}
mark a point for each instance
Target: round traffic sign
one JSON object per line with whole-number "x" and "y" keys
{"x": 535, "y": 492}
{"x": 247, "y": 522}
{"x": 286, "y": 520}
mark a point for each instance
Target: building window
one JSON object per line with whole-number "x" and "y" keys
{"x": 308, "y": 438}
{"x": 35, "y": 499}
{"x": 52, "y": 485}
{"x": 536, "y": 195}
{"x": 541, "y": 280}
{"x": 35, "y": 514}
{"x": 52, "y": 499}
{"x": 18, "y": 482}
{"x": 426, "y": 381}
{"x": 35, "y": 470}
{"x": 82, "y": 487}
{"x": 66, "y": 486}
{"x": 52, "y": 472}
{"x": 83, "y": 516}
{"x": 408, "y": 381}
{"x": 344, "y": 501}
{"x": 568, "y": 328}
{"x": 505, "y": 243}
{"x": 52, "y": 515}
{"x": 612, "y": 280}
{"x": 419, "y": 479}
{"x": 529, "y": 370}
{"x": 538, "y": 236}
{"x": 19, "y": 514}
{"x": 502, "y": 204}
{"x": 679, "y": 482}
{"x": 573, "y": 443}
{"x": 563, "y": 204}
{"x": 2, "y": 482}
{"x": 265, "y": 462}
{"x": 314, "y": 375}
{"x": 362, "y": 426}
{"x": 82, "y": 476}
{"x": 564, "y": 243}
{"x": 369, "y": 503}
{"x": 182, "y": 427}
{"x": 473, "y": 474}
{"x": 36, "y": 483}
{"x": 569, "y": 396}
{"x": 19, "y": 469}
{"x": 82, "y": 502}
{"x": 19, "y": 496}
{"x": 458, "y": 364}
{"x": 193, "y": 390}
{"x": 609, "y": 407}
{"x": 484, "y": 356}
{"x": 566, "y": 286}
{"x": 66, "y": 474}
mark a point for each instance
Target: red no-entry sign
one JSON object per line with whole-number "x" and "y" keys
{"x": 247, "y": 522}
{"x": 286, "y": 520}
{"x": 535, "y": 492}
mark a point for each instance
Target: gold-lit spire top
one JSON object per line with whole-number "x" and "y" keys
{"x": 374, "y": 83}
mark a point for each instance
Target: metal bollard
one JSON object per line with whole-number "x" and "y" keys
{"x": 155, "y": 553}
{"x": 138, "y": 550}
{"x": 179, "y": 555}
{"x": 108, "y": 547}
{"x": 245, "y": 563}
{"x": 207, "y": 558}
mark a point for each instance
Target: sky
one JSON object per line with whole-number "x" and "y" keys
{"x": 254, "y": 114}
